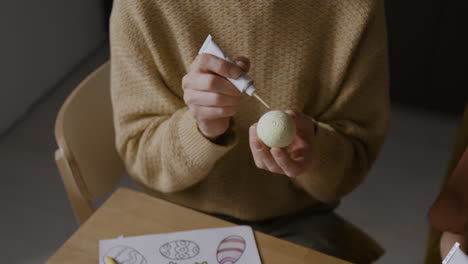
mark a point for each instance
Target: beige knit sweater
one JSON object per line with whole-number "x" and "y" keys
{"x": 327, "y": 59}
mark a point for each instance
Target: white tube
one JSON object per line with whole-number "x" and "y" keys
{"x": 244, "y": 83}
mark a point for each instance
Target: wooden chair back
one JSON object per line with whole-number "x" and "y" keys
{"x": 86, "y": 156}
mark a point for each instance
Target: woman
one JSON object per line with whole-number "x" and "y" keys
{"x": 188, "y": 136}
{"x": 449, "y": 213}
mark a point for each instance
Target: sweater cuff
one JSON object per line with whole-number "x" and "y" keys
{"x": 199, "y": 150}
{"x": 323, "y": 178}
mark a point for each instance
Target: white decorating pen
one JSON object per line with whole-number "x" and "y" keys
{"x": 244, "y": 83}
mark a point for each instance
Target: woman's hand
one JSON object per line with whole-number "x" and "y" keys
{"x": 292, "y": 160}
{"x": 449, "y": 212}
{"x": 211, "y": 98}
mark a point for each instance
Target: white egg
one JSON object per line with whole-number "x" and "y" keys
{"x": 276, "y": 129}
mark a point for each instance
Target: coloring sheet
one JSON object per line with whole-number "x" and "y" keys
{"x": 456, "y": 256}
{"x": 227, "y": 245}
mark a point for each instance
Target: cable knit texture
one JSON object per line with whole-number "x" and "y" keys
{"x": 327, "y": 59}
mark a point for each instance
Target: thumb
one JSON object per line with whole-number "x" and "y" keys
{"x": 304, "y": 123}
{"x": 292, "y": 114}
{"x": 243, "y": 63}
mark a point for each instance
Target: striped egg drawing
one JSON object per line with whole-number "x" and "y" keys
{"x": 125, "y": 255}
{"x": 179, "y": 249}
{"x": 230, "y": 250}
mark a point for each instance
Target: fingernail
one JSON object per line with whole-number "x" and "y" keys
{"x": 241, "y": 64}
{"x": 291, "y": 113}
{"x": 276, "y": 152}
{"x": 234, "y": 72}
{"x": 257, "y": 145}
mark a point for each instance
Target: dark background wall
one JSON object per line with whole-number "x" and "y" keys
{"x": 428, "y": 42}
{"x": 41, "y": 44}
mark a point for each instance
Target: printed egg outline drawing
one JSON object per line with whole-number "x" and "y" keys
{"x": 230, "y": 249}
{"x": 179, "y": 249}
{"x": 125, "y": 255}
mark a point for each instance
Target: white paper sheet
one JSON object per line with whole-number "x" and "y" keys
{"x": 456, "y": 256}
{"x": 204, "y": 246}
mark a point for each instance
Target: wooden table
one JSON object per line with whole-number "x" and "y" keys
{"x": 131, "y": 213}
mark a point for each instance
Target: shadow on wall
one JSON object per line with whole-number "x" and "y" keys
{"x": 43, "y": 43}
{"x": 106, "y": 7}
{"x": 428, "y": 42}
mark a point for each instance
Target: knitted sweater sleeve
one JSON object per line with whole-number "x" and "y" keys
{"x": 156, "y": 136}
{"x": 351, "y": 131}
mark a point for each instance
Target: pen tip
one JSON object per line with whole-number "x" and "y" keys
{"x": 261, "y": 100}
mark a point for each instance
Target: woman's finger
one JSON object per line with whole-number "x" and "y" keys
{"x": 261, "y": 152}
{"x": 202, "y": 113}
{"x": 291, "y": 113}
{"x": 305, "y": 125}
{"x": 298, "y": 154}
{"x": 289, "y": 166}
{"x": 207, "y": 63}
{"x": 271, "y": 163}
{"x": 208, "y": 82}
{"x": 204, "y": 98}
{"x": 244, "y": 63}
{"x": 253, "y": 145}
